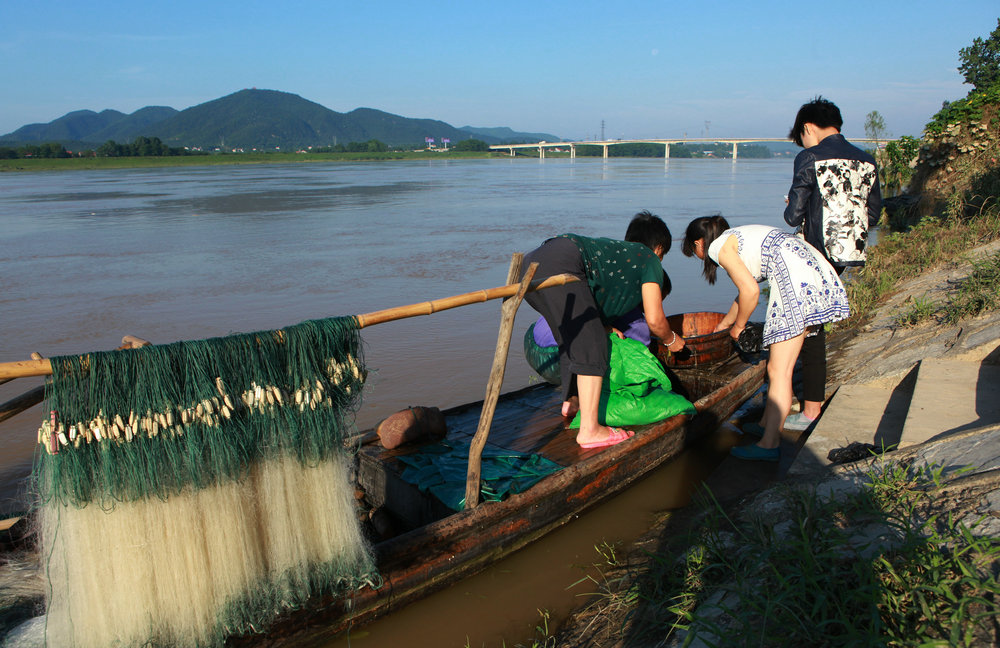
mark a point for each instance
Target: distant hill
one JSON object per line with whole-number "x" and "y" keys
{"x": 131, "y": 126}
{"x": 505, "y": 135}
{"x": 75, "y": 126}
{"x": 253, "y": 119}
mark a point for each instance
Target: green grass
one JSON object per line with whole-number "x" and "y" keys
{"x": 976, "y": 293}
{"x": 899, "y": 256}
{"x": 879, "y": 567}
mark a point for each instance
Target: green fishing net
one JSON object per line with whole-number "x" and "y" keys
{"x": 136, "y": 423}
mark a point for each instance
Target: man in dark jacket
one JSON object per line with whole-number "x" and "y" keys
{"x": 834, "y": 198}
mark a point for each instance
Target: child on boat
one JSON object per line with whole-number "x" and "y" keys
{"x": 616, "y": 276}
{"x": 805, "y": 293}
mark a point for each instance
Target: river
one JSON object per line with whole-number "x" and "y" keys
{"x": 188, "y": 253}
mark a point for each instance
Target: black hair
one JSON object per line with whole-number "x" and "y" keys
{"x": 667, "y": 286}
{"x": 650, "y": 230}
{"x": 819, "y": 111}
{"x": 706, "y": 228}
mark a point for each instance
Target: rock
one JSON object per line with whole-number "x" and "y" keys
{"x": 856, "y": 451}
{"x": 410, "y": 425}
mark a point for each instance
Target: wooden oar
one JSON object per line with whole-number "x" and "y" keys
{"x": 42, "y": 367}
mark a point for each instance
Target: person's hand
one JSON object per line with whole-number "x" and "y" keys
{"x": 735, "y": 331}
{"x": 678, "y": 344}
{"x": 621, "y": 336}
{"x": 721, "y": 326}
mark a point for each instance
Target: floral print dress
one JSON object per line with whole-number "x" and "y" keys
{"x": 805, "y": 289}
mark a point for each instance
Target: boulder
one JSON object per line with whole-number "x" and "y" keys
{"x": 411, "y": 424}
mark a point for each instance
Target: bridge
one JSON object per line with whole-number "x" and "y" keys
{"x": 605, "y": 144}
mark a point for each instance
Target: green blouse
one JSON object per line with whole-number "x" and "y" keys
{"x": 616, "y": 271}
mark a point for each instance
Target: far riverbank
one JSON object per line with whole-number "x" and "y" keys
{"x": 99, "y": 163}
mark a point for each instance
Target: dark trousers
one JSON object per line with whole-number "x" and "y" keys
{"x": 570, "y": 311}
{"x": 813, "y": 357}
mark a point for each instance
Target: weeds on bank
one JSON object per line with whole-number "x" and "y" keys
{"x": 879, "y": 567}
{"x": 902, "y": 255}
{"x": 976, "y": 294}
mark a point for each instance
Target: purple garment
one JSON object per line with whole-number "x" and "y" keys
{"x": 543, "y": 334}
{"x": 632, "y": 324}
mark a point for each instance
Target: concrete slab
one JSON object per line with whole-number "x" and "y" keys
{"x": 857, "y": 413}
{"x": 951, "y": 396}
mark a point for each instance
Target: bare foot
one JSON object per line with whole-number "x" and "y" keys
{"x": 570, "y": 407}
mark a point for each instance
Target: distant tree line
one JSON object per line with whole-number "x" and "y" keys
{"x": 638, "y": 149}
{"x": 48, "y": 150}
{"x": 371, "y": 146}
{"x": 376, "y": 146}
{"x": 154, "y": 147}
{"x": 141, "y": 147}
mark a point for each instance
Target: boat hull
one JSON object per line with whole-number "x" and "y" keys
{"x": 440, "y": 553}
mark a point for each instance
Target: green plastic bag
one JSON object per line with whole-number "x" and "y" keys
{"x": 636, "y": 390}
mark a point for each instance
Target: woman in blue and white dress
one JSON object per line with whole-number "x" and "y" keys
{"x": 805, "y": 293}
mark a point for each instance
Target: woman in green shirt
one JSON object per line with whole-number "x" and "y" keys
{"x": 617, "y": 277}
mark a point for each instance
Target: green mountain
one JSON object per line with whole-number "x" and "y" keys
{"x": 505, "y": 135}
{"x": 253, "y": 119}
{"x": 129, "y": 127}
{"x": 74, "y": 126}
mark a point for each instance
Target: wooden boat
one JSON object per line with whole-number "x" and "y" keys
{"x": 436, "y": 546}
{"x": 442, "y": 546}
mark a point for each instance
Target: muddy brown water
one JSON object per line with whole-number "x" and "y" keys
{"x": 502, "y": 605}
{"x": 189, "y": 253}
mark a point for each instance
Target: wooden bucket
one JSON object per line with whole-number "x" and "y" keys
{"x": 704, "y": 345}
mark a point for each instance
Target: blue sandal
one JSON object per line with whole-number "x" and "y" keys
{"x": 754, "y": 452}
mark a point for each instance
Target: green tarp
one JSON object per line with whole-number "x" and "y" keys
{"x": 441, "y": 468}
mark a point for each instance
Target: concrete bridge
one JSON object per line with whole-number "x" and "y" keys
{"x": 605, "y": 144}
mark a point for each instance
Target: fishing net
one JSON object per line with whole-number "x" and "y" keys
{"x": 193, "y": 490}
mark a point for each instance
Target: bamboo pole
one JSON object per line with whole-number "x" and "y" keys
{"x": 427, "y": 308}
{"x": 42, "y": 367}
{"x": 509, "y": 310}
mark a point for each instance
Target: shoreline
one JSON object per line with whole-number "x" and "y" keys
{"x": 99, "y": 163}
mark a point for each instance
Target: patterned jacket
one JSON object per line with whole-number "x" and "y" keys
{"x": 835, "y": 195}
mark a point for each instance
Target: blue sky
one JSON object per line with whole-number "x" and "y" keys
{"x": 647, "y": 69}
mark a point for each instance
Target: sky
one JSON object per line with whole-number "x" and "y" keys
{"x": 575, "y": 69}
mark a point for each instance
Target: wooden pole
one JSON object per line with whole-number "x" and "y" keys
{"x": 427, "y": 308}
{"x": 20, "y": 403}
{"x": 509, "y": 310}
{"x": 42, "y": 367}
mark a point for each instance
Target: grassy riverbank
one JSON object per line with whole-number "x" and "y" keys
{"x": 71, "y": 164}
{"x": 884, "y": 565}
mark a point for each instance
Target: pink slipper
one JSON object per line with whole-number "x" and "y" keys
{"x": 616, "y": 437}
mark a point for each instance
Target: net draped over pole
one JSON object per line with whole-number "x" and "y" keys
{"x": 193, "y": 490}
